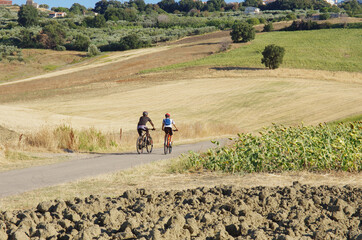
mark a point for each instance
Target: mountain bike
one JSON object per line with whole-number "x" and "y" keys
{"x": 144, "y": 142}
{"x": 167, "y": 146}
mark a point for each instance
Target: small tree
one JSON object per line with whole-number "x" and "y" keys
{"x": 81, "y": 42}
{"x": 273, "y": 56}
{"x": 253, "y": 21}
{"x": 268, "y": 27}
{"x": 242, "y": 32}
{"x": 93, "y": 51}
{"x": 46, "y": 6}
{"x": 52, "y": 35}
{"x": 132, "y": 41}
{"x": 324, "y": 16}
{"x": 27, "y": 16}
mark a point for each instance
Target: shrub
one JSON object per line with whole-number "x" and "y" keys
{"x": 95, "y": 22}
{"x": 242, "y": 32}
{"x": 224, "y": 46}
{"x": 324, "y": 16}
{"x": 253, "y": 21}
{"x": 10, "y": 53}
{"x": 60, "y": 48}
{"x": 132, "y": 41}
{"x": 52, "y": 35}
{"x": 28, "y": 39}
{"x": 80, "y": 43}
{"x": 268, "y": 27}
{"x": 314, "y": 148}
{"x": 262, "y": 20}
{"x": 302, "y": 25}
{"x": 273, "y": 56}
{"x": 93, "y": 51}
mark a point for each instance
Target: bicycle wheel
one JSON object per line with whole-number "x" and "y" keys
{"x": 149, "y": 145}
{"x": 139, "y": 146}
{"x": 165, "y": 145}
{"x": 170, "y": 148}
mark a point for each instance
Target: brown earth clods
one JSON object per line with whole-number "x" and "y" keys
{"x": 296, "y": 212}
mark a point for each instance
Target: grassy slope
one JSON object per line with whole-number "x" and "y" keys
{"x": 328, "y": 49}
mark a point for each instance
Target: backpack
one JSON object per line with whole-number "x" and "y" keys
{"x": 167, "y": 121}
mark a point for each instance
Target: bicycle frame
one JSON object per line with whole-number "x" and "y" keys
{"x": 144, "y": 141}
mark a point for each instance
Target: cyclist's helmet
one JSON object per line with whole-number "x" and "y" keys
{"x": 145, "y": 113}
{"x": 167, "y": 115}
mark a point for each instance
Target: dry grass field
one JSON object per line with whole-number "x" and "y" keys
{"x": 37, "y": 62}
{"x": 249, "y": 99}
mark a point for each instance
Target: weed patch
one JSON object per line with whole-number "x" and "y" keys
{"x": 50, "y": 67}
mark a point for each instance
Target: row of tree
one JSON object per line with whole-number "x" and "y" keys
{"x": 109, "y": 7}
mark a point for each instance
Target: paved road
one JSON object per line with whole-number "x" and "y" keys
{"x": 23, "y": 180}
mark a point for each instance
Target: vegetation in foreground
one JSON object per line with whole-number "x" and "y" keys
{"x": 319, "y": 148}
{"x": 326, "y": 49}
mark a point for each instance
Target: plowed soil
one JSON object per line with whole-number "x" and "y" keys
{"x": 294, "y": 212}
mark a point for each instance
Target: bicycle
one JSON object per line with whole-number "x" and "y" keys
{"x": 144, "y": 142}
{"x": 167, "y": 146}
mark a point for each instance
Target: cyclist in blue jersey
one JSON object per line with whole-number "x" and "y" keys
{"x": 167, "y": 125}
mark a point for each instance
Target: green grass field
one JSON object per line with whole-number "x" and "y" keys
{"x": 327, "y": 49}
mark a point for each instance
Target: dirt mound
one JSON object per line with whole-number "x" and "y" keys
{"x": 299, "y": 211}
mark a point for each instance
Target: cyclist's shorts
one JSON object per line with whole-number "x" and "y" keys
{"x": 168, "y": 130}
{"x": 140, "y": 129}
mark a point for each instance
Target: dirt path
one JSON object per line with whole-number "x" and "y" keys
{"x": 23, "y": 180}
{"x": 114, "y": 58}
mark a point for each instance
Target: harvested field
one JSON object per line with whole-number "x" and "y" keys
{"x": 297, "y": 211}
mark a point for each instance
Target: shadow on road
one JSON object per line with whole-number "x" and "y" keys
{"x": 237, "y": 68}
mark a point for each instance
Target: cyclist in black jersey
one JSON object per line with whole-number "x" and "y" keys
{"x": 141, "y": 126}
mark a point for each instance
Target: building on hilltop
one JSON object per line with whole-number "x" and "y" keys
{"x": 57, "y": 14}
{"x": 6, "y": 3}
{"x": 332, "y": 2}
{"x": 252, "y": 10}
{"x": 32, "y": 3}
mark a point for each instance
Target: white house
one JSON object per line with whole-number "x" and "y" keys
{"x": 57, "y": 14}
{"x": 251, "y": 10}
{"x": 332, "y": 2}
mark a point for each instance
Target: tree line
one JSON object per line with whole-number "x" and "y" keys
{"x": 113, "y": 9}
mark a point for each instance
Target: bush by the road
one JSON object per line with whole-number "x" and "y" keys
{"x": 280, "y": 148}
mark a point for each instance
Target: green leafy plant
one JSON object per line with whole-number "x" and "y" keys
{"x": 279, "y": 148}
{"x": 268, "y": 27}
{"x": 93, "y": 51}
{"x": 27, "y": 16}
{"x": 242, "y": 32}
{"x": 10, "y": 53}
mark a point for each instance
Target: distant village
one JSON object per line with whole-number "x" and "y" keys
{"x": 36, "y": 5}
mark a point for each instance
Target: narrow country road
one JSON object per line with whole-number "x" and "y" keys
{"x": 23, "y": 180}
